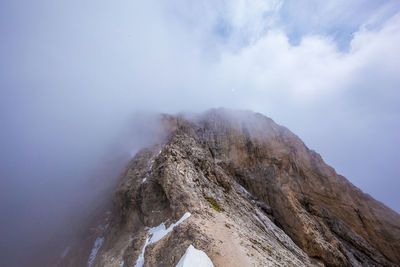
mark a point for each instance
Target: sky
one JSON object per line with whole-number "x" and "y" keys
{"x": 74, "y": 73}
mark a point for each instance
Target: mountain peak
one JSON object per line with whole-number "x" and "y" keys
{"x": 255, "y": 193}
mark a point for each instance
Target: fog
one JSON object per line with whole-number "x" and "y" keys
{"x": 78, "y": 77}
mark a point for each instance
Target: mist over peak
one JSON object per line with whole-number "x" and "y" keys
{"x": 81, "y": 86}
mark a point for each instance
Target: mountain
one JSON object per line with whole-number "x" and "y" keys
{"x": 233, "y": 188}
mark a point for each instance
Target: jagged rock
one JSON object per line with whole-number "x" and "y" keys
{"x": 257, "y": 197}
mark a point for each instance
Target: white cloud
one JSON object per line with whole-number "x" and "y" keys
{"x": 315, "y": 69}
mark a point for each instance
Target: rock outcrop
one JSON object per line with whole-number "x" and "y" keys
{"x": 244, "y": 190}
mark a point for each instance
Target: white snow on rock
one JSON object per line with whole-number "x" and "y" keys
{"x": 244, "y": 190}
{"x": 65, "y": 252}
{"x": 95, "y": 249}
{"x": 194, "y": 258}
{"x": 157, "y": 233}
{"x": 148, "y": 172}
{"x": 151, "y": 166}
{"x": 102, "y": 227}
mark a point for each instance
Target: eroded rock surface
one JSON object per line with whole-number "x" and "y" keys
{"x": 257, "y": 197}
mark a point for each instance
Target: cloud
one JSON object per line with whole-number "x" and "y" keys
{"x": 315, "y": 68}
{"x": 73, "y": 74}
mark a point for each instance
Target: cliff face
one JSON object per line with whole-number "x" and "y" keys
{"x": 245, "y": 191}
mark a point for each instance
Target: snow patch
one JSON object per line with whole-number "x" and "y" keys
{"x": 65, "y": 252}
{"x": 97, "y": 244}
{"x": 148, "y": 172}
{"x": 150, "y": 168}
{"x": 102, "y": 227}
{"x": 157, "y": 233}
{"x": 194, "y": 258}
{"x": 244, "y": 190}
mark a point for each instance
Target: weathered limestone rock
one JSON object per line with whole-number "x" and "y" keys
{"x": 257, "y": 197}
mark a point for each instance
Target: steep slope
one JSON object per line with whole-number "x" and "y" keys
{"x": 245, "y": 191}
{"x": 325, "y": 215}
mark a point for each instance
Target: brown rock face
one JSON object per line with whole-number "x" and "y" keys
{"x": 328, "y": 217}
{"x": 257, "y": 197}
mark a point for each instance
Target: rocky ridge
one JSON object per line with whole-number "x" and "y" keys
{"x": 251, "y": 194}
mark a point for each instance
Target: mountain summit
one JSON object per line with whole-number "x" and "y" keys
{"x": 233, "y": 188}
